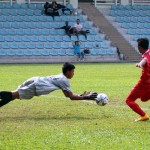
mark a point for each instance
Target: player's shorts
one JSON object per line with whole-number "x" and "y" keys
{"x": 27, "y": 90}
{"x": 140, "y": 91}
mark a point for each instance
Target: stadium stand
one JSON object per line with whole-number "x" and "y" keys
{"x": 28, "y": 36}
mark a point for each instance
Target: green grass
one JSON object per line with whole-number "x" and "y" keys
{"x": 53, "y": 122}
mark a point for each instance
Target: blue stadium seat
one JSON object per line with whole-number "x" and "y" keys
{"x": 111, "y": 52}
{"x": 58, "y": 38}
{"x": 46, "y": 25}
{"x": 1, "y": 5}
{"x": 91, "y": 38}
{"x": 47, "y": 45}
{"x": 15, "y": 25}
{"x": 94, "y": 52}
{"x": 2, "y": 52}
{"x": 131, "y": 31}
{"x": 2, "y": 39}
{"x": 61, "y": 52}
{"x": 31, "y": 25}
{"x": 22, "y": 45}
{"x": 40, "y": 45}
{"x": 39, "y": 6}
{"x": 37, "y": 12}
{"x": 43, "y": 18}
{"x": 49, "y": 18}
{"x": 104, "y": 45}
{"x": 64, "y": 45}
{"x": 98, "y": 38}
{"x": 92, "y": 31}
{"x": 32, "y": 6}
{"x": 42, "y": 38}
{"x": 20, "y": 32}
{"x": 39, "y": 25}
{"x": 7, "y": 5}
{"x": 10, "y": 52}
{"x": 27, "y": 52}
{"x": 31, "y": 45}
{"x": 70, "y": 52}
{"x": 10, "y": 32}
{"x": 21, "y": 12}
{"x": 37, "y": 32}
{"x": 102, "y": 52}
{"x": 5, "y": 45}
{"x": 50, "y": 38}
{"x": 18, "y": 38}
{"x": 53, "y": 52}
{"x": 23, "y": 25}
{"x": 34, "y": 38}
{"x": 34, "y": 18}
{"x": 74, "y": 38}
{"x": 29, "y": 12}
{"x": 24, "y": 6}
{"x": 2, "y": 18}
{"x": 66, "y": 38}
{"x": 10, "y": 18}
{"x": 25, "y": 18}
{"x": 125, "y": 25}
{"x": 89, "y": 45}
{"x": 82, "y": 38}
{"x": 45, "y": 52}
{"x": 13, "y": 12}
{"x": 7, "y": 25}
{"x": 56, "y": 45}
{"x": 86, "y": 25}
{"x": 36, "y": 52}
{"x": 45, "y": 32}
{"x": 9, "y": 38}
{"x": 53, "y": 32}
{"x": 3, "y": 32}
{"x": 19, "y": 52}
{"x": 57, "y": 19}
{"x": 18, "y": 18}
{"x": 65, "y": 18}
{"x": 26, "y": 38}
{"x": 1, "y": 25}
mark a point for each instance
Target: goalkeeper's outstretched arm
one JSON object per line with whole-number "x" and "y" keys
{"x": 89, "y": 96}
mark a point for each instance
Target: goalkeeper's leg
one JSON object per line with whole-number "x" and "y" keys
{"x": 5, "y": 97}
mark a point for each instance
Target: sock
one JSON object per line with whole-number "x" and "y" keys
{"x": 5, "y": 97}
{"x": 135, "y": 107}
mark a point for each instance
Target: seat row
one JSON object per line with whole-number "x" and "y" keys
{"x": 21, "y": 6}
{"x": 135, "y": 37}
{"x": 135, "y": 25}
{"x": 129, "y": 13}
{"x": 138, "y": 32}
{"x": 50, "y": 45}
{"x": 130, "y": 7}
{"x": 133, "y": 19}
{"x": 37, "y": 32}
{"x": 50, "y": 38}
{"x": 53, "y": 52}
{"x": 38, "y": 25}
{"x": 34, "y": 18}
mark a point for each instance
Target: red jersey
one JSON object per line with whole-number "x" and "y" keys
{"x": 145, "y": 77}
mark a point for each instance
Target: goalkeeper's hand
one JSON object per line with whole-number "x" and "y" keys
{"x": 89, "y": 95}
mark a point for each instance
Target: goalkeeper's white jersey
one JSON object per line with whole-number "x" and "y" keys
{"x": 45, "y": 85}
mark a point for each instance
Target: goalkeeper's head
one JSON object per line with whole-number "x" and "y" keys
{"x": 143, "y": 45}
{"x": 68, "y": 70}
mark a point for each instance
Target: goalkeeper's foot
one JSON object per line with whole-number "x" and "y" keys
{"x": 143, "y": 118}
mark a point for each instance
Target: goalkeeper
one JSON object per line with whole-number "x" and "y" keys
{"x": 37, "y": 86}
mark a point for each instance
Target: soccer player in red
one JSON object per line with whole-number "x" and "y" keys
{"x": 142, "y": 88}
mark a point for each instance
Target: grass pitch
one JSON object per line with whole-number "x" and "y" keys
{"x": 53, "y": 122}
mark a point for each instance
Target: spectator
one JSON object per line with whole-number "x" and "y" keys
{"x": 77, "y": 51}
{"x": 78, "y": 29}
{"x": 68, "y": 29}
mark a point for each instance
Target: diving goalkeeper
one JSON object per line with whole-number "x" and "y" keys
{"x": 37, "y": 86}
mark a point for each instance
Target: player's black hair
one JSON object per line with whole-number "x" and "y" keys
{"x": 67, "y": 67}
{"x": 144, "y": 43}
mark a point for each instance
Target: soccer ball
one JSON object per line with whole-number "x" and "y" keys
{"x": 102, "y": 99}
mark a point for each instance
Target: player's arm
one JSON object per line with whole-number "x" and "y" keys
{"x": 72, "y": 96}
{"x": 141, "y": 64}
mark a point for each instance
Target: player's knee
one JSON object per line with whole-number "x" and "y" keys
{"x": 129, "y": 102}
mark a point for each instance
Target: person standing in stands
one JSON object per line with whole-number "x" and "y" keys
{"x": 77, "y": 50}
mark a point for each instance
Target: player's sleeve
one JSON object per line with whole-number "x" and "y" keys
{"x": 65, "y": 85}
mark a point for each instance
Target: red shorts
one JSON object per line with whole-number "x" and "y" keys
{"x": 140, "y": 91}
